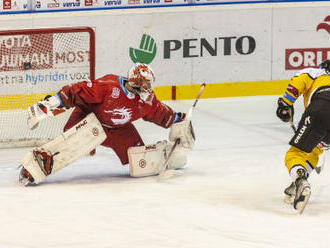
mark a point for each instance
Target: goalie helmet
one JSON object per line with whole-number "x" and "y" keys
{"x": 325, "y": 65}
{"x": 140, "y": 80}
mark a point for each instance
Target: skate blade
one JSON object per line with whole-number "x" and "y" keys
{"x": 23, "y": 180}
{"x": 301, "y": 205}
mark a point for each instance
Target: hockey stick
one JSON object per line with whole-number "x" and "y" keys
{"x": 291, "y": 122}
{"x": 195, "y": 103}
{"x": 164, "y": 173}
{"x": 318, "y": 169}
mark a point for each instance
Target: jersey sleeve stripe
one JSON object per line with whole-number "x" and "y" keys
{"x": 289, "y": 97}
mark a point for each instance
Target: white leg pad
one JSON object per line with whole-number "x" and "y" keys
{"x": 65, "y": 149}
{"x": 29, "y": 162}
{"x": 146, "y": 160}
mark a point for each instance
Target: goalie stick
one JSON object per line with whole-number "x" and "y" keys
{"x": 164, "y": 173}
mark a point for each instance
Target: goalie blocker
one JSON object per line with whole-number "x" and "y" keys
{"x": 63, "y": 150}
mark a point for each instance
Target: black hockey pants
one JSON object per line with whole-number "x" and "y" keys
{"x": 314, "y": 125}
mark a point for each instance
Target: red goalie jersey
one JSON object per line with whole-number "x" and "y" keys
{"x": 116, "y": 108}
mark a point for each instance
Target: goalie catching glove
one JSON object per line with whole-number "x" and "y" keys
{"x": 50, "y": 106}
{"x": 182, "y": 129}
{"x": 284, "y": 111}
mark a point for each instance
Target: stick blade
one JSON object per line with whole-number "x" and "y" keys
{"x": 166, "y": 174}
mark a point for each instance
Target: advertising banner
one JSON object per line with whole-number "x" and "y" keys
{"x": 213, "y": 44}
{"x": 300, "y": 42}
{"x": 203, "y": 46}
{"x": 7, "y": 6}
{"x": 14, "y": 5}
{"x": 153, "y": 2}
{"x": 223, "y": 45}
{"x": 58, "y": 4}
{"x": 43, "y": 59}
{"x": 81, "y": 4}
{"x": 225, "y": 1}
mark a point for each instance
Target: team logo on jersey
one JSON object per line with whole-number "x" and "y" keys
{"x": 120, "y": 116}
{"x": 115, "y": 93}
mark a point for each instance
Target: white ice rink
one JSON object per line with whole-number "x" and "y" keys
{"x": 229, "y": 196}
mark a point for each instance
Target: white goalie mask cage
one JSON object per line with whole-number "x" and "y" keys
{"x": 141, "y": 78}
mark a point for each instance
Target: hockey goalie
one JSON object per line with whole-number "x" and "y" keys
{"x": 104, "y": 110}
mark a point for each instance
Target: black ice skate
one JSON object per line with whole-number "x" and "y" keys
{"x": 290, "y": 193}
{"x": 25, "y": 178}
{"x": 303, "y": 191}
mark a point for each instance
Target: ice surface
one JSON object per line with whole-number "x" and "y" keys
{"x": 230, "y": 195}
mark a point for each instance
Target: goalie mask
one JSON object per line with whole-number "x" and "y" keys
{"x": 140, "y": 79}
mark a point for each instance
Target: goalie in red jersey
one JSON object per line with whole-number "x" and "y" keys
{"x": 116, "y": 102}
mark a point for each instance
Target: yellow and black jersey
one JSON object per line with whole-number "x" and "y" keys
{"x": 305, "y": 82}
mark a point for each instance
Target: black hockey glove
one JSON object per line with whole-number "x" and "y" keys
{"x": 284, "y": 111}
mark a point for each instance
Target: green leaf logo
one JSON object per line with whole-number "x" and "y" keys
{"x": 146, "y": 52}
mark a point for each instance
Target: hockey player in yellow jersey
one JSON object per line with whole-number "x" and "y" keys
{"x": 313, "y": 132}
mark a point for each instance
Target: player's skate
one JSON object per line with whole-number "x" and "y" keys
{"x": 290, "y": 193}
{"x": 303, "y": 191}
{"x": 25, "y": 178}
